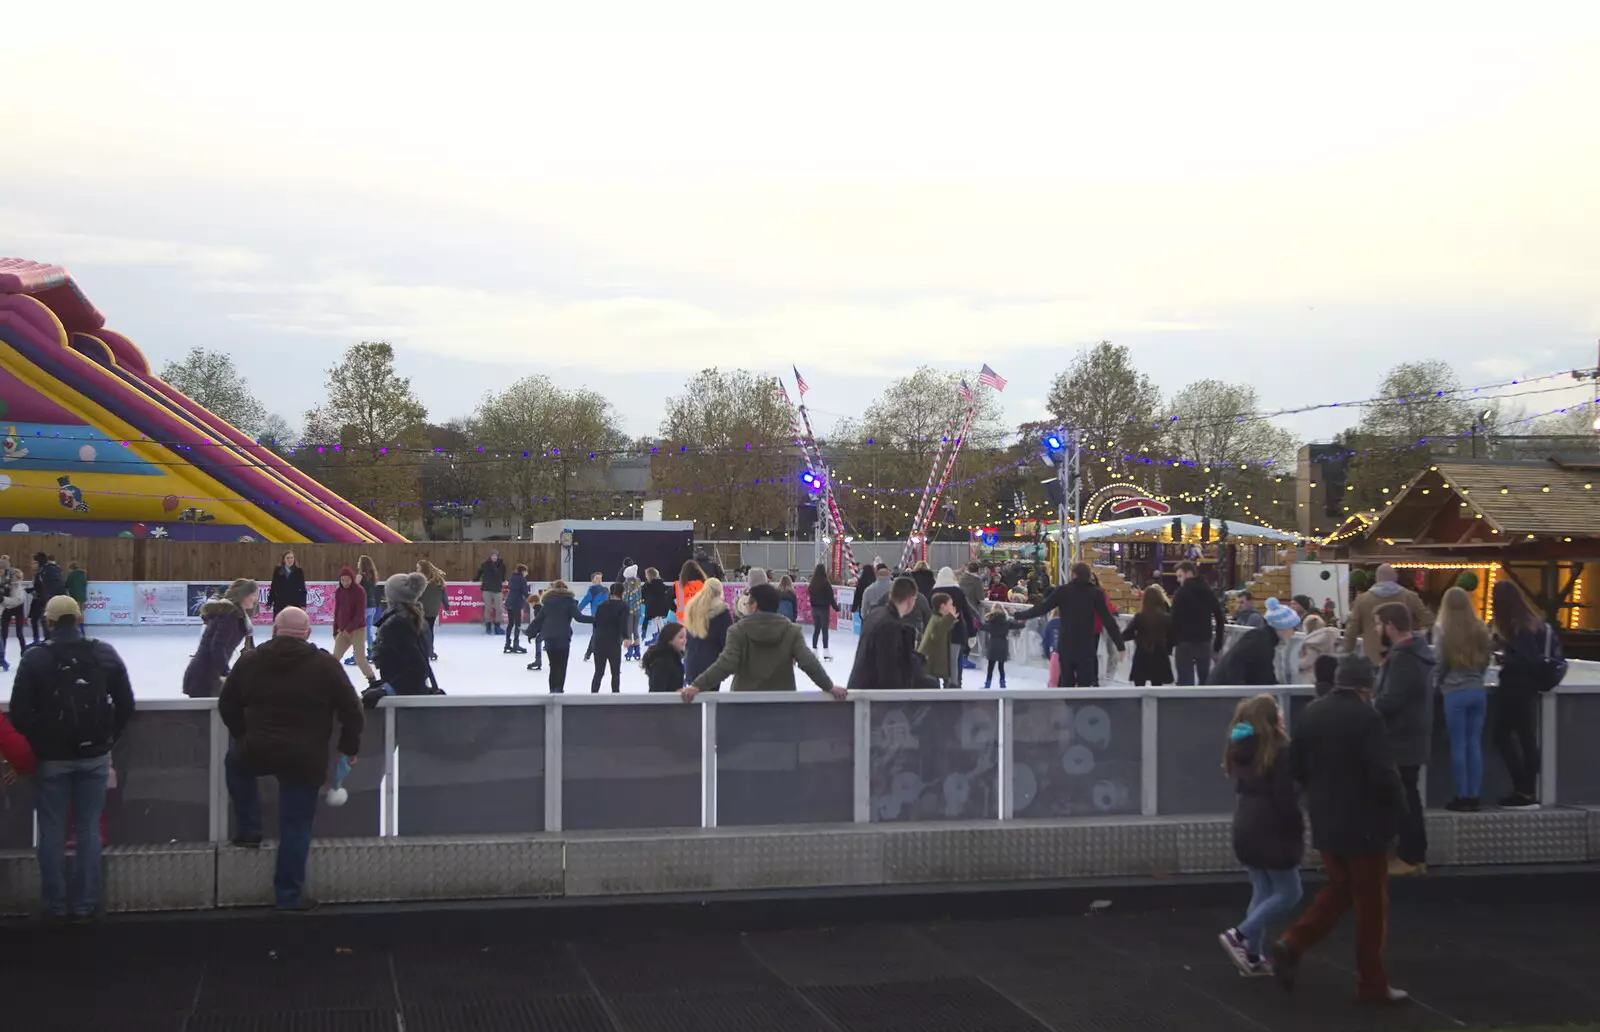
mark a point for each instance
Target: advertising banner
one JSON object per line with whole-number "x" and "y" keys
{"x": 109, "y": 604}
{"x": 164, "y": 602}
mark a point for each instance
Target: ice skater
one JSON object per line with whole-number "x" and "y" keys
{"x": 557, "y": 610}
{"x": 633, "y": 599}
{"x": 516, "y": 602}
{"x": 997, "y": 628}
{"x": 14, "y": 600}
{"x": 610, "y": 622}
{"x": 434, "y": 600}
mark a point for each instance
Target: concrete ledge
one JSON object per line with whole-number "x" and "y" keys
{"x": 722, "y": 860}
{"x": 708, "y": 861}
{"x": 401, "y": 869}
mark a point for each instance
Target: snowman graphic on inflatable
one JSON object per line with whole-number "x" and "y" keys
{"x": 70, "y": 496}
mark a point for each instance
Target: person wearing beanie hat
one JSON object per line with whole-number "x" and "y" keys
{"x": 226, "y": 623}
{"x": 743, "y": 606}
{"x": 400, "y": 646}
{"x": 72, "y": 746}
{"x": 1355, "y": 800}
{"x": 967, "y": 622}
{"x": 1253, "y": 658}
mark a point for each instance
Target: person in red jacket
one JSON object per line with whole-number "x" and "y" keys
{"x": 15, "y": 750}
{"x": 350, "y": 621}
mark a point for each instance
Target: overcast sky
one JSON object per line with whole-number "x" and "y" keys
{"x": 617, "y": 200}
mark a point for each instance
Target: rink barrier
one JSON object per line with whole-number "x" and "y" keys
{"x": 625, "y": 795}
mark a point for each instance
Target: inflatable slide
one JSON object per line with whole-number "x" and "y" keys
{"x": 92, "y": 443}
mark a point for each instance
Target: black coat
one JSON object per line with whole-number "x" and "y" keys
{"x": 1250, "y": 660}
{"x": 556, "y": 611}
{"x": 997, "y": 636}
{"x": 492, "y": 575}
{"x": 1520, "y": 660}
{"x": 34, "y": 712}
{"x": 288, "y": 589}
{"x": 279, "y": 705}
{"x": 656, "y": 596}
{"x": 1079, "y": 602}
{"x": 663, "y": 665}
{"x": 1341, "y": 757}
{"x": 610, "y": 622}
{"x": 702, "y": 652}
{"x": 924, "y": 579}
{"x": 1151, "y": 634}
{"x": 822, "y": 597}
{"x": 869, "y": 575}
{"x": 1268, "y": 829}
{"x": 400, "y": 652}
{"x": 1197, "y": 614}
{"x": 1404, "y": 696}
{"x": 887, "y": 654}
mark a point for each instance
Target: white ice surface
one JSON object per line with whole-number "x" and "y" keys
{"x": 470, "y": 663}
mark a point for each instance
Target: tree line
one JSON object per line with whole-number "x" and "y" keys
{"x": 724, "y": 456}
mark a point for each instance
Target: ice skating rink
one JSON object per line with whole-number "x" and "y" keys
{"x": 470, "y": 663}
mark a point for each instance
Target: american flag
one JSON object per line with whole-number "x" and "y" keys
{"x": 991, "y": 378}
{"x": 783, "y": 391}
{"x": 966, "y": 392}
{"x": 800, "y": 381}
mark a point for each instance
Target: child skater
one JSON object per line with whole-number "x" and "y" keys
{"x": 1268, "y": 830}
{"x": 997, "y": 628}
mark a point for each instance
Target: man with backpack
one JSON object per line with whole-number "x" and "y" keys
{"x": 71, "y": 700}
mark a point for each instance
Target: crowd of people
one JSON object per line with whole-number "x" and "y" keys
{"x": 1356, "y": 758}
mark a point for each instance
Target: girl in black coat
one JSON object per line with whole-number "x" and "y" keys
{"x": 1268, "y": 829}
{"x": 1151, "y": 632}
{"x": 997, "y": 630}
{"x": 824, "y": 603}
{"x": 400, "y": 647}
{"x": 663, "y": 661}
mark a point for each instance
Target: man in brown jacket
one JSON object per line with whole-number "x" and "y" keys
{"x": 1385, "y": 589}
{"x": 279, "y": 705}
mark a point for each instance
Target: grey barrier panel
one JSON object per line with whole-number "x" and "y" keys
{"x": 163, "y": 780}
{"x": 630, "y": 767}
{"x": 16, "y": 815}
{"x": 935, "y": 761}
{"x": 359, "y": 817}
{"x": 163, "y": 785}
{"x": 470, "y": 770}
{"x": 785, "y": 764}
{"x": 1577, "y": 757}
{"x": 1441, "y": 787}
{"x": 1192, "y": 733}
{"x": 1074, "y": 759}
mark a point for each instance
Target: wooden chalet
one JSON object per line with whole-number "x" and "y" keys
{"x": 1536, "y": 522}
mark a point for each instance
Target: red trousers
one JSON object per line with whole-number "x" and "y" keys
{"x": 1361, "y": 882}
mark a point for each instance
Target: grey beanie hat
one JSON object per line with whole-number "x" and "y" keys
{"x": 1355, "y": 671}
{"x": 240, "y": 590}
{"x": 405, "y": 588}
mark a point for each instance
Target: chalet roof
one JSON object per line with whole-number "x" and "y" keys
{"x": 1518, "y": 499}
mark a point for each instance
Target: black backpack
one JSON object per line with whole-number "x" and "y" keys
{"x": 75, "y": 707}
{"x": 1551, "y": 669}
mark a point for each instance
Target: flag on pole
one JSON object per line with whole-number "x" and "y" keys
{"x": 800, "y": 382}
{"x": 966, "y": 392}
{"x": 990, "y": 377}
{"x": 785, "y": 392}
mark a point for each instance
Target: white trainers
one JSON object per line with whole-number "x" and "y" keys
{"x": 827, "y": 657}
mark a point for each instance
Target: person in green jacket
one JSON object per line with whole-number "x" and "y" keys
{"x": 78, "y": 584}
{"x": 761, "y": 653}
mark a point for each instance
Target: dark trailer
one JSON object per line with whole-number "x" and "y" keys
{"x": 605, "y": 546}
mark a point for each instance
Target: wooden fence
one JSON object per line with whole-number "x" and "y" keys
{"x": 138, "y": 559}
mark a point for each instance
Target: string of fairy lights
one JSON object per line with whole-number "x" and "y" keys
{"x": 1106, "y": 458}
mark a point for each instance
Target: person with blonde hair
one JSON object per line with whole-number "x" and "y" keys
{"x": 1321, "y": 640}
{"x": 1462, "y": 648}
{"x": 433, "y": 600}
{"x": 707, "y": 619}
{"x": 1268, "y": 829}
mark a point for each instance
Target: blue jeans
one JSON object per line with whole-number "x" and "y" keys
{"x": 297, "y": 806}
{"x": 1272, "y": 895}
{"x": 81, "y": 786}
{"x": 372, "y": 618}
{"x": 1464, "y": 715}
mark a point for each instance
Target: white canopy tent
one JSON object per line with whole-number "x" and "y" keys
{"x": 1157, "y": 526}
